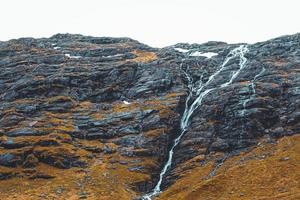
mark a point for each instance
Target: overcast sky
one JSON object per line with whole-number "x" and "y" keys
{"x": 155, "y": 22}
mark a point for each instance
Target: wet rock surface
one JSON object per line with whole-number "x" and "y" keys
{"x": 71, "y": 101}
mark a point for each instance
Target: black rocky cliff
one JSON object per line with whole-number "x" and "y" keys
{"x": 70, "y": 100}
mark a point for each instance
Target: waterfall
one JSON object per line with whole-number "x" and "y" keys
{"x": 253, "y": 90}
{"x": 254, "y": 79}
{"x": 202, "y": 91}
{"x": 245, "y": 102}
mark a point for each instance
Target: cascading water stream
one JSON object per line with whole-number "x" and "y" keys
{"x": 254, "y": 79}
{"x": 245, "y": 102}
{"x": 253, "y": 90}
{"x": 202, "y": 91}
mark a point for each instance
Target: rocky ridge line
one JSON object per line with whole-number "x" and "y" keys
{"x": 76, "y": 102}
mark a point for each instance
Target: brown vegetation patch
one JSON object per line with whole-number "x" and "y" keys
{"x": 270, "y": 171}
{"x": 144, "y": 56}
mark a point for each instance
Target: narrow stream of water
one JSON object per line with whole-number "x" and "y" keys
{"x": 198, "y": 93}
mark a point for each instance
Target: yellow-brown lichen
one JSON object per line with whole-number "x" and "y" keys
{"x": 154, "y": 133}
{"x": 144, "y": 56}
{"x": 174, "y": 94}
{"x": 55, "y": 122}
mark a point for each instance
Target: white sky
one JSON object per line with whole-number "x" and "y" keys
{"x": 155, "y": 22}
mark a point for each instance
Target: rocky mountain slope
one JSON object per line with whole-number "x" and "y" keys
{"x": 95, "y": 118}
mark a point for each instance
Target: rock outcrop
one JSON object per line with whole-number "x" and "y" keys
{"x": 104, "y": 112}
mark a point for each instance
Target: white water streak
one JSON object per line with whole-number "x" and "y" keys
{"x": 201, "y": 93}
{"x": 253, "y": 91}
{"x": 75, "y": 57}
{"x": 255, "y": 77}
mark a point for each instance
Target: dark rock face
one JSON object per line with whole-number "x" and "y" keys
{"x": 259, "y": 103}
{"x": 61, "y": 91}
